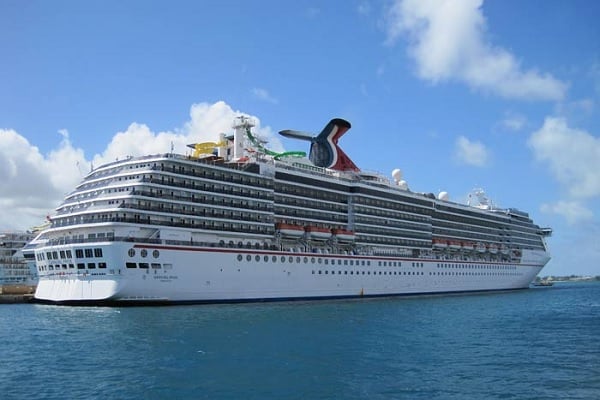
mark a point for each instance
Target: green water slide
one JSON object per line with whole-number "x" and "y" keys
{"x": 256, "y": 143}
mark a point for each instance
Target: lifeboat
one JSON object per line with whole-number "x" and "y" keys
{"x": 504, "y": 249}
{"x": 344, "y": 235}
{"x": 290, "y": 230}
{"x": 439, "y": 243}
{"x": 480, "y": 247}
{"x": 493, "y": 248}
{"x": 468, "y": 246}
{"x": 315, "y": 232}
{"x": 454, "y": 245}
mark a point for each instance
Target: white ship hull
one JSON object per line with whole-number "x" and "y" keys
{"x": 190, "y": 274}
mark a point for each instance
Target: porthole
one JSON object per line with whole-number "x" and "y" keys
{"x": 248, "y": 257}
{"x": 257, "y": 258}
{"x": 155, "y": 253}
{"x": 131, "y": 252}
{"x": 266, "y": 258}
{"x": 239, "y": 257}
{"x": 144, "y": 253}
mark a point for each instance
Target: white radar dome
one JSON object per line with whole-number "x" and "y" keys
{"x": 443, "y": 196}
{"x": 397, "y": 175}
{"x": 403, "y": 185}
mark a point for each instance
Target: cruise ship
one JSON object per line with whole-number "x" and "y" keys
{"x": 17, "y": 275}
{"x": 234, "y": 221}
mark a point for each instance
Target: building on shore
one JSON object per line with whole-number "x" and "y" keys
{"x": 17, "y": 274}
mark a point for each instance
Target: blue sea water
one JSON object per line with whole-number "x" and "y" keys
{"x": 532, "y": 344}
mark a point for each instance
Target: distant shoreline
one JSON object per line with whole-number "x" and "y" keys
{"x": 570, "y": 278}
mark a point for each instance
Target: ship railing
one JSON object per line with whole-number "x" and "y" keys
{"x": 250, "y": 227}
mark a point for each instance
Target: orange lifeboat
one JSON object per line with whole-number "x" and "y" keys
{"x": 439, "y": 243}
{"x": 316, "y": 232}
{"x": 468, "y": 246}
{"x": 454, "y": 245}
{"x": 344, "y": 235}
{"x": 289, "y": 230}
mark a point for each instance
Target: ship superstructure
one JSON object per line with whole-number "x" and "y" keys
{"x": 234, "y": 221}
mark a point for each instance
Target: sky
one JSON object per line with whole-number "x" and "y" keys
{"x": 502, "y": 95}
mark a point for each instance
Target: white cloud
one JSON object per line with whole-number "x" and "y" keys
{"x": 447, "y": 39}
{"x": 573, "y": 156}
{"x": 471, "y": 153}
{"x": 572, "y": 211}
{"x": 514, "y": 122}
{"x": 32, "y": 184}
{"x": 364, "y": 8}
{"x": 263, "y": 94}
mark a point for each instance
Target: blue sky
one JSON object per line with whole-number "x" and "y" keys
{"x": 503, "y": 95}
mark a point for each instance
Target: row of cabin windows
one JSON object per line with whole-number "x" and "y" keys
{"x": 425, "y": 235}
{"x": 311, "y": 203}
{"x": 227, "y": 212}
{"x": 390, "y": 214}
{"x": 450, "y": 273}
{"x": 144, "y": 265}
{"x": 311, "y": 193}
{"x": 67, "y": 254}
{"x": 482, "y": 221}
{"x": 480, "y": 227}
{"x": 290, "y": 259}
{"x": 476, "y": 266}
{"x": 228, "y": 176}
{"x": 351, "y": 272}
{"x": 58, "y": 267}
{"x": 264, "y": 204}
{"x": 311, "y": 214}
{"x": 391, "y": 205}
{"x": 391, "y": 222}
{"x": 391, "y": 241}
{"x": 467, "y": 215}
{"x": 471, "y": 235}
{"x": 210, "y": 187}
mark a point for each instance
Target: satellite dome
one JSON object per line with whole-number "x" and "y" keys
{"x": 443, "y": 196}
{"x": 403, "y": 185}
{"x": 397, "y": 175}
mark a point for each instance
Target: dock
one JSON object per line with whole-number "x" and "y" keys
{"x": 16, "y": 298}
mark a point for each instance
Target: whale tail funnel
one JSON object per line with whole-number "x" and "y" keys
{"x": 324, "y": 150}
